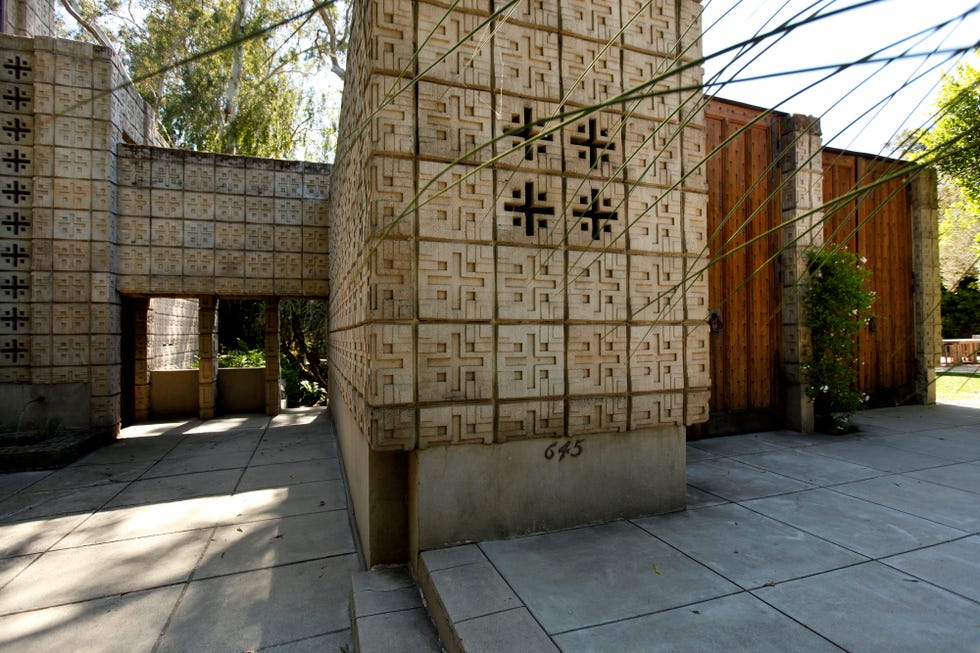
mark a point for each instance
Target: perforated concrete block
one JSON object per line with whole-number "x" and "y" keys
{"x": 530, "y": 209}
{"x": 596, "y": 214}
{"x": 533, "y": 135}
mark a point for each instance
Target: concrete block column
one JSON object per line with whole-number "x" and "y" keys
{"x": 802, "y": 195}
{"x": 928, "y": 292}
{"x": 208, "y": 356}
{"x": 141, "y": 363}
{"x": 272, "y": 400}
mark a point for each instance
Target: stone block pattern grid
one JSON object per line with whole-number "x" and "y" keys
{"x": 62, "y": 110}
{"x": 203, "y": 224}
{"x": 543, "y": 295}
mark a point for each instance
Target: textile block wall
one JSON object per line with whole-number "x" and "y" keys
{"x": 515, "y": 246}
{"x": 64, "y": 107}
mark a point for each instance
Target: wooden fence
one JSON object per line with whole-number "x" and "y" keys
{"x": 745, "y": 283}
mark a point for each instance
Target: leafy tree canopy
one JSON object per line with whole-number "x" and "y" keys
{"x": 953, "y": 141}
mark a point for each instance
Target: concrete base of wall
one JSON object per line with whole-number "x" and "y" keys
{"x": 465, "y": 493}
{"x": 378, "y": 486}
{"x": 68, "y": 402}
{"x": 173, "y": 393}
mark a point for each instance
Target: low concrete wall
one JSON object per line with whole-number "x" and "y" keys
{"x": 173, "y": 393}
{"x": 27, "y": 404}
{"x": 465, "y": 493}
{"x": 241, "y": 389}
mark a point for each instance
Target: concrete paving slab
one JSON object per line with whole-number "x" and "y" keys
{"x": 588, "y": 576}
{"x": 804, "y": 466}
{"x": 215, "y": 444}
{"x": 197, "y": 463}
{"x": 53, "y": 503}
{"x": 274, "y": 452}
{"x": 257, "y": 545}
{"x": 262, "y": 608}
{"x": 472, "y": 590}
{"x": 80, "y": 476}
{"x": 300, "y": 416}
{"x": 35, "y": 535}
{"x": 871, "y": 607}
{"x": 78, "y": 574}
{"x": 175, "y": 488}
{"x": 937, "y": 503}
{"x": 319, "y": 496}
{"x": 511, "y": 630}
{"x": 954, "y": 566}
{"x": 905, "y": 419}
{"x": 952, "y": 444}
{"x": 110, "y": 525}
{"x": 699, "y": 499}
{"x": 861, "y": 526}
{"x": 962, "y": 476}
{"x": 733, "y": 445}
{"x": 17, "y": 481}
{"x": 737, "y": 481}
{"x": 10, "y": 567}
{"x": 877, "y": 455}
{"x": 131, "y": 451}
{"x": 738, "y": 623}
{"x": 339, "y": 642}
{"x": 455, "y": 556}
{"x": 694, "y": 454}
{"x": 244, "y": 422}
{"x": 261, "y": 476}
{"x": 745, "y": 547}
{"x": 404, "y": 631}
{"x": 90, "y": 626}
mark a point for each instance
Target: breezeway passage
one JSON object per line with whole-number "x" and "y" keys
{"x": 231, "y": 534}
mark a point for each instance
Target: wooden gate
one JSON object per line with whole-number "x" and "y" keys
{"x": 877, "y": 224}
{"x": 744, "y": 287}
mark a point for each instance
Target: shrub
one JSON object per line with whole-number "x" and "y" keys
{"x": 242, "y": 357}
{"x": 837, "y": 303}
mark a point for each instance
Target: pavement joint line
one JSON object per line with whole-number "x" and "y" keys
{"x": 302, "y": 639}
{"x": 514, "y": 592}
{"x": 196, "y": 579}
{"x": 186, "y": 583}
{"x": 929, "y": 582}
{"x": 644, "y": 614}
{"x": 265, "y": 430}
{"x": 844, "y": 546}
{"x": 94, "y": 598}
{"x": 179, "y": 531}
{"x": 905, "y": 512}
{"x": 798, "y": 622}
{"x": 490, "y": 614}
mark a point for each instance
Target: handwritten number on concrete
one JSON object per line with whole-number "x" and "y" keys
{"x": 566, "y": 448}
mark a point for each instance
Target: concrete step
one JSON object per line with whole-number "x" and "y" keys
{"x": 388, "y": 614}
{"x": 473, "y": 607}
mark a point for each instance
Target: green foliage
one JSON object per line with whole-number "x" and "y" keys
{"x": 954, "y": 140}
{"x": 959, "y": 234}
{"x": 46, "y": 427}
{"x": 300, "y": 391}
{"x": 837, "y": 303}
{"x": 961, "y": 310}
{"x": 242, "y": 357}
{"x": 241, "y": 324}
